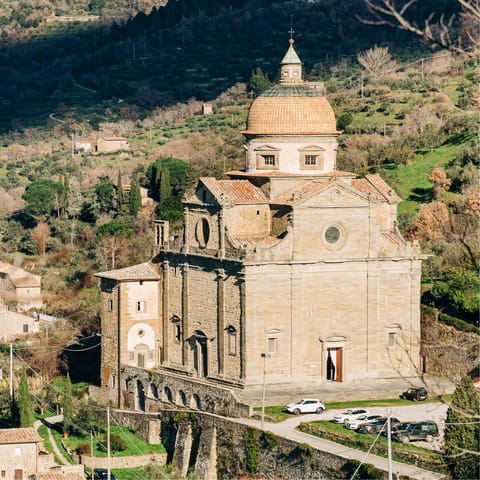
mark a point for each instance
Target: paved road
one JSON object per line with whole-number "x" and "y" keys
{"x": 287, "y": 429}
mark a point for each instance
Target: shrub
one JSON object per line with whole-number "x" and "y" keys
{"x": 83, "y": 448}
{"x": 251, "y": 449}
{"x": 304, "y": 451}
{"x": 117, "y": 443}
{"x": 270, "y": 439}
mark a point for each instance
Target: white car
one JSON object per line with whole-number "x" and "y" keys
{"x": 349, "y": 415}
{"x": 307, "y": 405}
{"x": 354, "y": 424}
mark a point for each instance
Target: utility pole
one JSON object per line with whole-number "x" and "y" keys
{"x": 265, "y": 356}
{"x": 11, "y": 372}
{"x": 108, "y": 443}
{"x": 389, "y": 443}
{"x": 91, "y": 453}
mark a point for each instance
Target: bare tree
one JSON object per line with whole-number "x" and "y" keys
{"x": 377, "y": 61}
{"x": 457, "y": 33}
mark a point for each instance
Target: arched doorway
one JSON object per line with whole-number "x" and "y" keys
{"x": 139, "y": 396}
{"x": 198, "y": 344}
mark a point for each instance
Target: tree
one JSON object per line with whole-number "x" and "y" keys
{"x": 440, "y": 181}
{"x": 40, "y": 235}
{"x": 120, "y": 198}
{"x": 105, "y": 192}
{"x": 43, "y": 196}
{"x": 165, "y": 189}
{"x": 67, "y": 405}
{"x": 377, "y": 61}
{"x": 462, "y": 432}
{"x": 135, "y": 198}
{"x": 112, "y": 236}
{"x": 453, "y": 27}
{"x": 24, "y": 401}
{"x": 259, "y": 82}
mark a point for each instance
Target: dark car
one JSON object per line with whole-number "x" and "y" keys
{"x": 102, "y": 474}
{"x": 415, "y": 394}
{"x": 413, "y": 431}
{"x": 396, "y": 427}
{"x": 378, "y": 425}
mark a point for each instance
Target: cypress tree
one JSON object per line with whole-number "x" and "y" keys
{"x": 462, "y": 432}
{"x": 165, "y": 189}
{"x": 25, "y": 401}
{"x": 67, "y": 405}
{"x": 120, "y": 195}
{"x": 135, "y": 199}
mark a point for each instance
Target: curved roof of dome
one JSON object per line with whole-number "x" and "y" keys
{"x": 291, "y": 110}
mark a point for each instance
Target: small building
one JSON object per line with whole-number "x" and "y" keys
{"x": 207, "y": 109}
{"x": 19, "y": 453}
{"x": 20, "y": 287}
{"x": 15, "y": 324}
{"x": 112, "y": 144}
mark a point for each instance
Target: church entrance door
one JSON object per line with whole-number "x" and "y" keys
{"x": 334, "y": 364}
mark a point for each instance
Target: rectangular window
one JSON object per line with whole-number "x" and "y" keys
{"x": 310, "y": 160}
{"x": 18, "y": 474}
{"x": 272, "y": 344}
{"x": 18, "y": 451}
{"x": 269, "y": 160}
{"x": 25, "y": 328}
{"x": 4, "y": 473}
{"x": 141, "y": 306}
{"x": 232, "y": 343}
{"x": 131, "y": 356}
{"x": 177, "y": 332}
{"x": 110, "y": 305}
{"x": 391, "y": 339}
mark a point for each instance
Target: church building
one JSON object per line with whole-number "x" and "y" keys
{"x": 290, "y": 266}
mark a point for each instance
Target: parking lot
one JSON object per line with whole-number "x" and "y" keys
{"x": 417, "y": 411}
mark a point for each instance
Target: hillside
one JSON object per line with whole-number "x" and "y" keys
{"x": 146, "y": 79}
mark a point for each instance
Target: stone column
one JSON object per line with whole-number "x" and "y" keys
{"x": 243, "y": 333}
{"x": 186, "y": 237}
{"x": 221, "y": 318}
{"x": 165, "y": 316}
{"x": 221, "y": 236}
{"x": 185, "y": 320}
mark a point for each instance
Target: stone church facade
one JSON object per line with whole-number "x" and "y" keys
{"x": 290, "y": 266}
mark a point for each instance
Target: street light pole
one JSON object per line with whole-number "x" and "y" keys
{"x": 265, "y": 356}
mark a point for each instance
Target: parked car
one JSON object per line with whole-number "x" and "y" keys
{"x": 102, "y": 474}
{"x": 396, "y": 427}
{"x": 349, "y": 415}
{"x": 354, "y": 424}
{"x": 307, "y": 405}
{"x": 427, "y": 430}
{"x": 378, "y": 425}
{"x": 415, "y": 394}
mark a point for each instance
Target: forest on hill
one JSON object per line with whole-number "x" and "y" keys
{"x": 143, "y": 75}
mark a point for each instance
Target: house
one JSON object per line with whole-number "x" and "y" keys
{"x": 19, "y": 453}
{"x": 111, "y": 144}
{"x": 290, "y": 268}
{"x": 16, "y": 324}
{"x": 20, "y": 287}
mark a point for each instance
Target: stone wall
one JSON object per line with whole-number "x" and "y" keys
{"x": 163, "y": 389}
{"x": 203, "y": 445}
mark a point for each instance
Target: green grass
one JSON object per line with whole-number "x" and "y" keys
{"x": 43, "y": 432}
{"x": 134, "y": 445}
{"x": 278, "y": 414}
{"x": 411, "y": 454}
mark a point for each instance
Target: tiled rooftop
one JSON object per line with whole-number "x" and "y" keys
{"x": 18, "y": 435}
{"x": 235, "y": 192}
{"x": 143, "y": 271}
{"x": 20, "y": 277}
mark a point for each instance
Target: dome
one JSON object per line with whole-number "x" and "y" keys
{"x": 291, "y": 110}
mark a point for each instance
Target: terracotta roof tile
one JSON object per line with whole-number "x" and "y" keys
{"x": 18, "y": 435}
{"x": 236, "y": 192}
{"x": 376, "y": 186}
{"x": 19, "y": 277}
{"x": 142, "y": 271}
{"x": 239, "y": 242}
{"x": 299, "y": 193}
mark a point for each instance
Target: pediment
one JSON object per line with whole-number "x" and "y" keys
{"x": 312, "y": 148}
{"x": 266, "y": 148}
{"x": 335, "y": 194}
